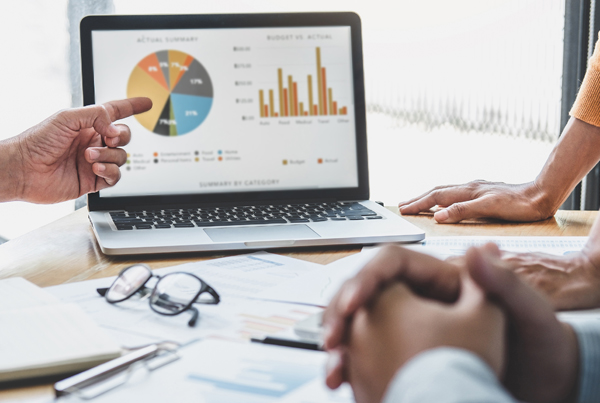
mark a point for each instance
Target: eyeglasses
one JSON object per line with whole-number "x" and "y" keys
{"x": 172, "y": 294}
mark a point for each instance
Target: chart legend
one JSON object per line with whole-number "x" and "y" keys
{"x": 179, "y": 87}
{"x": 320, "y": 99}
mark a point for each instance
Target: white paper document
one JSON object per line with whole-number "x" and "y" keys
{"x": 446, "y": 246}
{"x": 18, "y": 293}
{"x": 132, "y": 322}
{"x": 245, "y": 275}
{"x": 215, "y": 371}
{"x": 319, "y": 287}
{"x": 41, "y": 336}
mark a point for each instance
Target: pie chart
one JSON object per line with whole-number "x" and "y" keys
{"x": 180, "y": 90}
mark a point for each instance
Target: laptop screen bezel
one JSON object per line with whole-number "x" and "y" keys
{"x": 224, "y": 21}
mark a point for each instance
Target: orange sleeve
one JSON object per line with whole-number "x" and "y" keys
{"x": 587, "y": 103}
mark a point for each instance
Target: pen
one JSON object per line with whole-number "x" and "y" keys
{"x": 276, "y": 341}
{"x": 106, "y": 370}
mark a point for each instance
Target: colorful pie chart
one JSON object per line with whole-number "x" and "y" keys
{"x": 180, "y": 90}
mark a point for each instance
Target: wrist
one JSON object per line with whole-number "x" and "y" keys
{"x": 542, "y": 199}
{"x": 11, "y": 170}
{"x": 591, "y": 250}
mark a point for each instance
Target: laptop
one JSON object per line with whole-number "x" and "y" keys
{"x": 256, "y": 138}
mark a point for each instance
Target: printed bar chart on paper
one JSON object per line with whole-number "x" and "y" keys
{"x": 254, "y": 372}
{"x": 318, "y": 101}
{"x": 179, "y": 87}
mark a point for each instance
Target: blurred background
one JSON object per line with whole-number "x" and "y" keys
{"x": 456, "y": 89}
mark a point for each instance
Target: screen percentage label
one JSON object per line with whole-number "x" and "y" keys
{"x": 179, "y": 87}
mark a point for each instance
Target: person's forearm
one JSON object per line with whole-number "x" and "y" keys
{"x": 11, "y": 170}
{"x": 575, "y": 154}
{"x": 588, "y": 335}
{"x": 446, "y": 375}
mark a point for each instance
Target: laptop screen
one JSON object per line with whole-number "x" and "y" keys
{"x": 234, "y": 109}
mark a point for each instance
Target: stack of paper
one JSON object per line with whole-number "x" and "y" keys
{"x": 41, "y": 336}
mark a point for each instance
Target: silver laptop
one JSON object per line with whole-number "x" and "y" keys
{"x": 256, "y": 138}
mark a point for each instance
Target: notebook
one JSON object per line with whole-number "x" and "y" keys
{"x": 42, "y": 337}
{"x": 256, "y": 138}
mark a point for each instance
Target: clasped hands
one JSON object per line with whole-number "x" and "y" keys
{"x": 403, "y": 303}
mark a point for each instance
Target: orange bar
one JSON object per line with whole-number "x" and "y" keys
{"x": 343, "y": 111}
{"x": 291, "y": 95}
{"x": 271, "y": 103}
{"x": 324, "y": 90}
{"x": 285, "y": 103}
{"x": 276, "y": 114}
{"x": 280, "y": 82}
{"x": 315, "y": 110}
{"x": 305, "y": 113}
{"x": 266, "y": 110}
{"x": 330, "y": 95}
{"x": 295, "y": 99}
{"x": 319, "y": 82}
{"x": 261, "y": 96}
{"x": 310, "y": 95}
{"x": 335, "y": 107}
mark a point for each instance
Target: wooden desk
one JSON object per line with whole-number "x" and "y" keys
{"x": 66, "y": 251}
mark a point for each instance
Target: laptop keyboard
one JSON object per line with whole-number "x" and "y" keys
{"x": 242, "y": 215}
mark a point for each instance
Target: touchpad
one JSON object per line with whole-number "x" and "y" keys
{"x": 261, "y": 233}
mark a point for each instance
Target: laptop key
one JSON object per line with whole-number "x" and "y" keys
{"x": 338, "y": 218}
{"x": 317, "y": 219}
{"x": 124, "y": 227}
{"x": 299, "y": 220}
{"x": 159, "y": 226}
{"x": 354, "y": 217}
{"x": 143, "y": 226}
{"x": 183, "y": 225}
{"x": 375, "y": 217}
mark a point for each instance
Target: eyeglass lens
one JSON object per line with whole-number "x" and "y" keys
{"x": 128, "y": 283}
{"x": 174, "y": 293}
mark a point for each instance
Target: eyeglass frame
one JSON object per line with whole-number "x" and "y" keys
{"x": 204, "y": 288}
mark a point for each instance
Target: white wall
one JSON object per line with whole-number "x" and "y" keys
{"x": 34, "y": 82}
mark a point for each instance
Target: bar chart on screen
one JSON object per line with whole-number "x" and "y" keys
{"x": 318, "y": 99}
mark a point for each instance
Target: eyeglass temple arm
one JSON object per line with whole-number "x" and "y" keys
{"x": 213, "y": 293}
{"x": 102, "y": 291}
{"x": 194, "y": 318}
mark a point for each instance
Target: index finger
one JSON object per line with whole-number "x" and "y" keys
{"x": 425, "y": 274}
{"x": 414, "y": 199}
{"x": 101, "y": 117}
{"x": 438, "y": 197}
{"x": 124, "y": 108}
